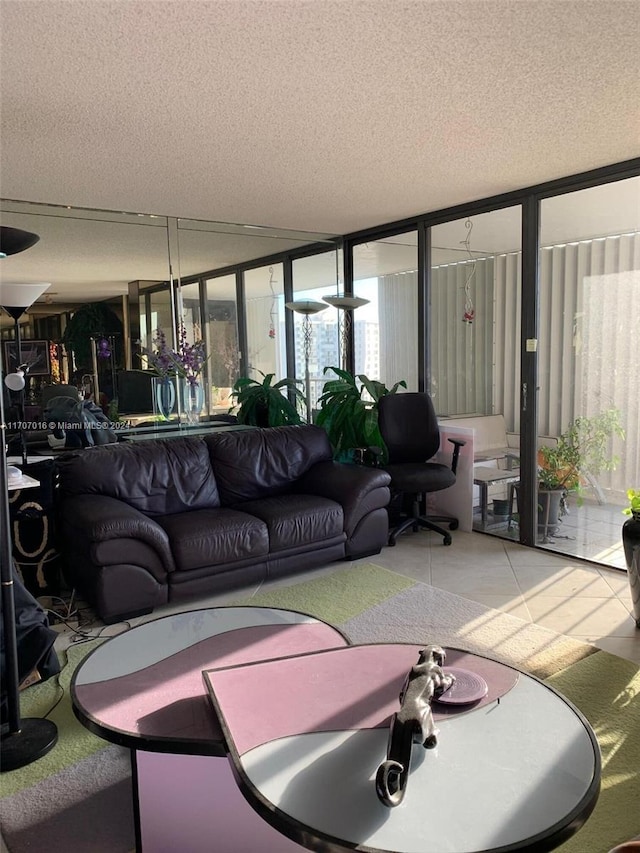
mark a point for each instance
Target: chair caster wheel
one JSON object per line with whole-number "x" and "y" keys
{"x": 447, "y": 540}
{"x": 392, "y": 541}
{"x": 454, "y": 525}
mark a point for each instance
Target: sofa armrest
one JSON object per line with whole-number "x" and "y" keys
{"x": 357, "y": 488}
{"x": 99, "y": 518}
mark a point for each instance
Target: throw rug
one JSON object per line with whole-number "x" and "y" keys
{"x": 78, "y": 797}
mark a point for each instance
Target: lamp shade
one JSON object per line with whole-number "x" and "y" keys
{"x": 345, "y": 301}
{"x": 305, "y": 306}
{"x": 16, "y": 295}
{"x": 15, "y": 381}
{"x": 14, "y": 240}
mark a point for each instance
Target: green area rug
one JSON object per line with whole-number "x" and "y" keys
{"x": 78, "y": 797}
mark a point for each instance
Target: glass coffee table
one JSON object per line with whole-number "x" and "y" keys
{"x": 519, "y": 769}
{"x": 144, "y": 690}
{"x": 262, "y": 729}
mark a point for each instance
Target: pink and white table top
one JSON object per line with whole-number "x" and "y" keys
{"x": 517, "y": 770}
{"x": 304, "y": 719}
{"x": 144, "y": 688}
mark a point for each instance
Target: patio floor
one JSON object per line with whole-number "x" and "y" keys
{"x": 591, "y": 531}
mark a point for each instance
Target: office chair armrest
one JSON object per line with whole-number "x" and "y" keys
{"x": 457, "y": 444}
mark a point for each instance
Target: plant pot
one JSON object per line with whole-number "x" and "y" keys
{"x": 549, "y": 512}
{"x": 501, "y": 507}
{"x": 631, "y": 543}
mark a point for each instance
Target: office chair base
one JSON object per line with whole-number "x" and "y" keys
{"x": 416, "y": 522}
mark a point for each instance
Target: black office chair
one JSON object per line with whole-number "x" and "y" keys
{"x": 410, "y": 431}
{"x": 51, "y": 391}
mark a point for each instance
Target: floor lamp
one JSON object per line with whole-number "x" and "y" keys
{"x": 15, "y": 299}
{"x": 347, "y": 304}
{"x": 306, "y": 307}
{"x": 30, "y": 738}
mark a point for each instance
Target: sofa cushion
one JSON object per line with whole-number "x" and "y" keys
{"x": 296, "y": 520}
{"x": 256, "y": 463}
{"x": 157, "y": 477}
{"x": 210, "y": 537}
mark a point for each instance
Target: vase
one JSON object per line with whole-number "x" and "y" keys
{"x": 192, "y": 401}
{"x": 631, "y": 543}
{"x": 164, "y": 396}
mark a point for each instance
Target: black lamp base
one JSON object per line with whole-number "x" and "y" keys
{"x": 35, "y": 738}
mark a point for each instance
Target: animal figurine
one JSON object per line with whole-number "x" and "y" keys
{"x": 413, "y": 723}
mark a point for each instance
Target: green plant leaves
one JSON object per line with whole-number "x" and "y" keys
{"x": 263, "y": 404}
{"x": 584, "y": 448}
{"x": 349, "y": 417}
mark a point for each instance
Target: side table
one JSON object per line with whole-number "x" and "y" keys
{"x": 143, "y": 689}
{"x": 490, "y": 476}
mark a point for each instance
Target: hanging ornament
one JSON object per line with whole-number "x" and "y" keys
{"x": 469, "y": 310}
{"x": 273, "y": 312}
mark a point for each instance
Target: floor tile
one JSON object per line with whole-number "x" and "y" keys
{"x": 624, "y": 647}
{"x": 561, "y": 581}
{"x": 602, "y": 617}
{"x": 411, "y": 556}
{"x": 513, "y": 605}
{"x": 484, "y": 579}
{"x": 617, "y": 581}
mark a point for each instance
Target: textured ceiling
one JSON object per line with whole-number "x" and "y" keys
{"x": 323, "y": 116}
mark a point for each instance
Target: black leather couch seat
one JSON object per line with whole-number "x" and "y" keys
{"x": 214, "y": 537}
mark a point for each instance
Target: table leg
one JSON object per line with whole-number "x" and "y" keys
{"x": 484, "y": 501}
{"x": 193, "y": 803}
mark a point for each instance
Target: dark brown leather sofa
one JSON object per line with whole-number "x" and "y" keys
{"x": 143, "y": 523}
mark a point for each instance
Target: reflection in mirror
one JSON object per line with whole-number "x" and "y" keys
{"x": 206, "y": 247}
{"x": 264, "y": 312}
{"x": 221, "y": 336}
{"x": 314, "y": 277}
{"x": 90, "y": 256}
{"x": 385, "y": 272}
{"x": 93, "y": 256}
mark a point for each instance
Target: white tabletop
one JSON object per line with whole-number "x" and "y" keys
{"x": 31, "y": 460}
{"x": 23, "y": 482}
{"x": 306, "y": 735}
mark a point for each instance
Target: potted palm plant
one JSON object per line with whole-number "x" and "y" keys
{"x": 580, "y": 454}
{"x": 349, "y": 413}
{"x": 262, "y": 403}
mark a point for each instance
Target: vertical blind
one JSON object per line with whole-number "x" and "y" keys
{"x": 587, "y": 348}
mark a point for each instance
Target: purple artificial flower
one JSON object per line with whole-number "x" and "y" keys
{"x": 187, "y": 361}
{"x": 103, "y": 350}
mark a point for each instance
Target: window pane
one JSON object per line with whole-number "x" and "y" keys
{"x": 221, "y": 336}
{"x": 264, "y": 301}
{"x": 386, "y": 329}
{"x": 313, "y": 279}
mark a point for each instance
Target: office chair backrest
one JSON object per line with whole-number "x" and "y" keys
{"x": 51, "y": 391}
{"x": 409, "y": 426}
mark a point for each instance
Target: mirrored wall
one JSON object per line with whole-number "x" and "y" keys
{"x": 153, "y": 275}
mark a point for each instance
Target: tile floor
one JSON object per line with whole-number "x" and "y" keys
{"x": 591, "y": 531}
{"x": 567, "y": 595}
{"x": 589, "y": 602}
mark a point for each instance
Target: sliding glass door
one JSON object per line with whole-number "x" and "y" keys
{"x": 474, "y": 319}
{"x": 589, "y": 393}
